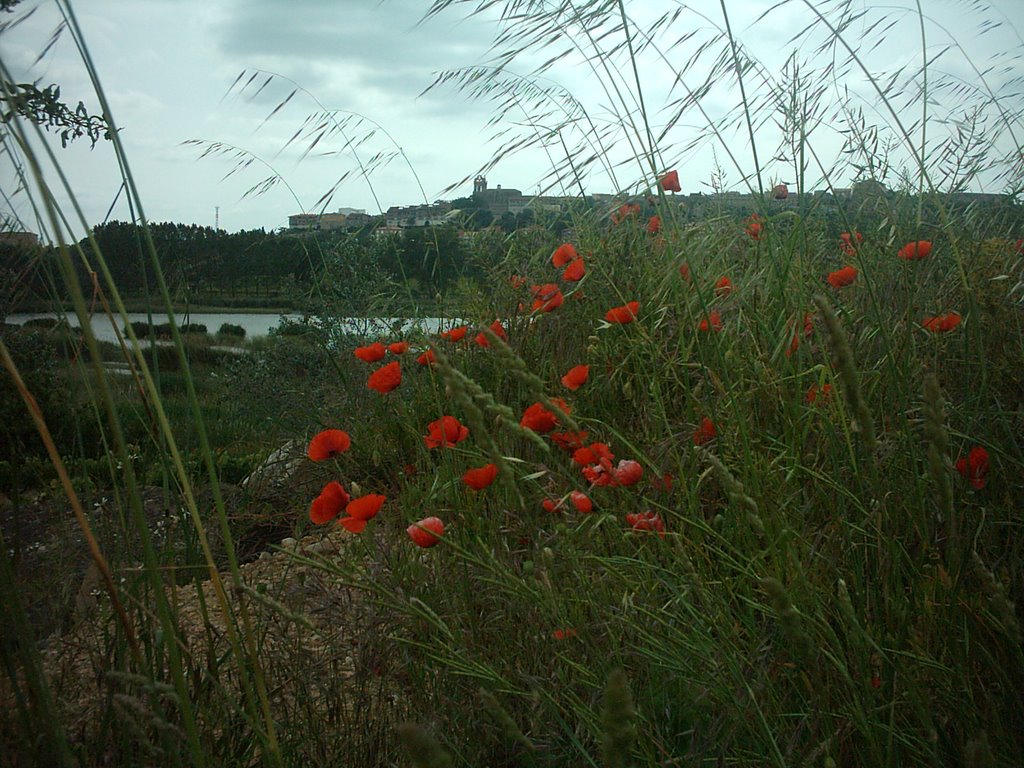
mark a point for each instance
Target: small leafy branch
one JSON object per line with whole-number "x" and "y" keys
{"x": 45, "y": 109}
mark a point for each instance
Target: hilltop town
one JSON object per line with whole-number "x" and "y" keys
{"x": 511, "y": 207}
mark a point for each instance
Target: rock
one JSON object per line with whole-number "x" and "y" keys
{"x": 277, "y": 470}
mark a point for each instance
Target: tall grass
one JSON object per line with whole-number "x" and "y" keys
{"x": 801, "y": 576}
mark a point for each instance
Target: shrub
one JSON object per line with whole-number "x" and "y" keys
{"x": 230, "y": 329}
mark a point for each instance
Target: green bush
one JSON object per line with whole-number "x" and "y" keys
{"x": 230, "y": 329}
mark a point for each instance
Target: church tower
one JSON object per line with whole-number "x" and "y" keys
{"x": 479, "y": 185}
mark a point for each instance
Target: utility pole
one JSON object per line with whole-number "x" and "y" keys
{"x": 216, "y": 217}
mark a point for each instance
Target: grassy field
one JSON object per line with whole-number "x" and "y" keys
{"x": 743, "y": 491}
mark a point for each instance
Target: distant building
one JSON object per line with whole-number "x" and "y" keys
{"x": 400, "y": 217}
{"x": 304, "y": 221}
{"x": 20, "y": 239}
{"x": 498, "y": 200}
{"x": 344, "y": 218}
{"x": 359, "y": 219}
{"x": 978, "y": 197}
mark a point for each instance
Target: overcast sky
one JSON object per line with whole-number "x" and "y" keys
{"x": 168, "y": 68}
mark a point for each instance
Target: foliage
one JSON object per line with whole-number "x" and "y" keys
{"x": 42, "y": 357}
{"x": 796, "y": 543}
{"x": 231, "y": 329}
{"x": 44, "y": 108}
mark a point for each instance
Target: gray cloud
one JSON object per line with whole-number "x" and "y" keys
{"x": 372, "y": 45}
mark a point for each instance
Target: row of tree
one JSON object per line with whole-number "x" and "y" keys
{"x": 203, "y": 263}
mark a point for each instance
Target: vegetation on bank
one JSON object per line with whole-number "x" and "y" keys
{"x": 738, "y": 490}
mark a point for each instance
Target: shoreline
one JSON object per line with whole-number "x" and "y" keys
{"x": 135, "y": 307}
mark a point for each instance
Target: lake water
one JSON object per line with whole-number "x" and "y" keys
{"x": 254, "y": 324}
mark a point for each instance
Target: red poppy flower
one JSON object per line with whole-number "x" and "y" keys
{"x": 564, "y": 254}
{"x": 654, "y": 225}
{"x": 625, "y": 211}
{"x": 569, "y": 441}
{"x": 575, "y": 271}
{"x": 724, "y": 286}
{"x": 670, "y": 182}
{"x": 592, "y": 453}
{"x": 942, "y": 323}
{"x": 455, "y": 334}
{"x": 645, "y": 521}
{"x": 427, "y": 358}
{"x": 360, "y": 511}
{"x": 848, "y": 243}
{"x": 445, "y": 432}
{"x": 329, "y": 503}
{"x": 398, "y": 347}
{"x": 712, "y": 322}
{"x": 808, "y": 330}
{"x": 794, "y": 345}
{"x": 842, "y": 277}
{"x": 328, "y": 443}
{"x": 754, "y": 227}
{"x": 564, "y": 634}
{"x": 371, "y": 353}
{"x": 628, "y": 472}
{"x": 625, "y": 314}
{"x": 814, "y": 392}
{"x": 386, "y": 378}
{"x": 663, "y": 483}
{"x": 582, "y": 502}
{"x": 974, "y": 467}
{"x": 576, "y": 377}
{"x": 426, "y": 532}
{"x": 780, "y": 191}
{"x": 517, "y": 281}
{"x": 540, "y": 419}
{"x": 705, "y": 432}
{"x": 481, "y": 477}
{"x": 546, "y": 297}
{"x": 497, "y": 329}
{"x": 600, "y": 474}
{"x": 915, "y": 251}
{"x": 684, "y": 270}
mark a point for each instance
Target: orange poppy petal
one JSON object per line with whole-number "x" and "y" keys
{"x": 575, "y": 271}
{"x": 352, "y": 524}
{"x": 371, "y": 353}
{"x": 625, "y": 314}
{"x": 576, "y": 377}
{"x": 365, "y": 507}
{"x": 481, "y": 477}
{"x": 385, "y": 379}
{"x": 328, "y": 443}
{"x": 564, "y": 254}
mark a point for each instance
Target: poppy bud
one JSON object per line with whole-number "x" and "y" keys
{"x": 426, "y": 532}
